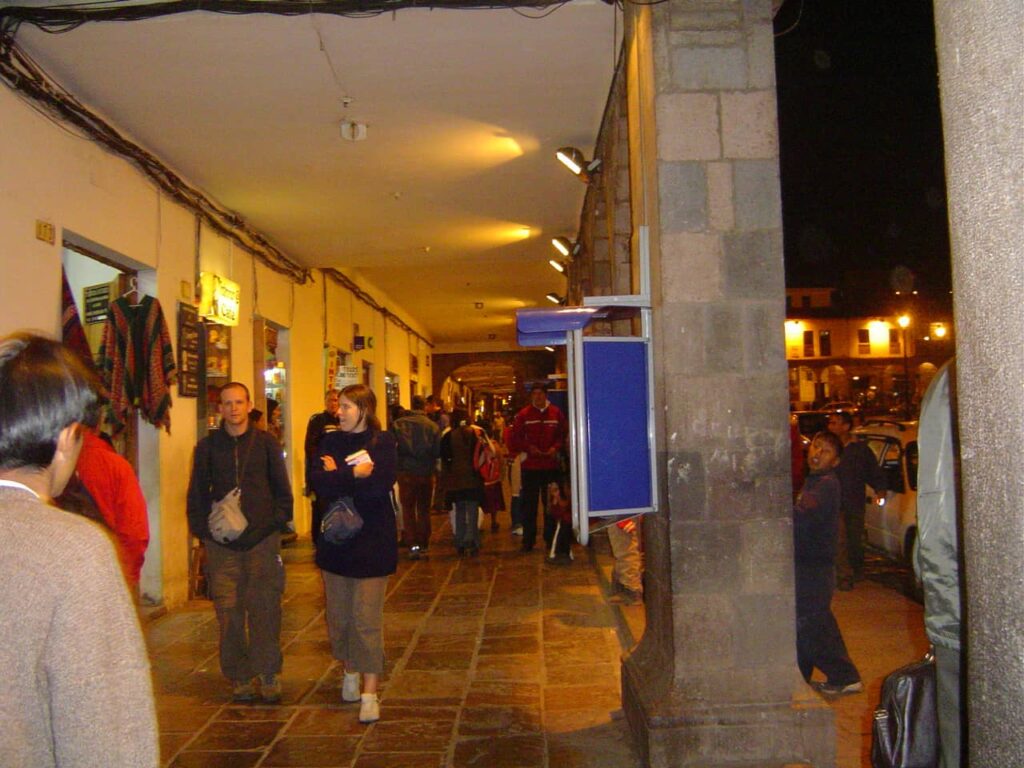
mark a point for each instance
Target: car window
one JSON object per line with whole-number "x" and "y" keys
{"x": 887, "y": 451}
{"x": 912, "y": 465}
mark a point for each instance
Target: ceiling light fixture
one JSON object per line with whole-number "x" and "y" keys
{"x": 353, "y": 131}
{"x": 554, "y": 298}
{"x": 565, "y": 246}
{"x": 574, "y": 160}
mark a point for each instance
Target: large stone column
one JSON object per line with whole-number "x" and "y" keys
{"x": 714, "y": 679}
{"x": 981, "y": 75}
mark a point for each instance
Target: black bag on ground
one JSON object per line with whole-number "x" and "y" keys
{"x": 906, "y": 728}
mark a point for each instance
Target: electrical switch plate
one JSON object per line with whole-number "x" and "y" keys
{"x": 45, "y": 231}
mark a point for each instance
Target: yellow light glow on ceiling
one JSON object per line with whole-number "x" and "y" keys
{"x": 478, "y": 145}
{"x": 494, "y": 234}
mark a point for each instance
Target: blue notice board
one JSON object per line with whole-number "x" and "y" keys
{"x": 617, "y": 442}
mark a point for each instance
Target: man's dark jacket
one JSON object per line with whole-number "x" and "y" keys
{"x": 266, "y": 492}
{"x": 419, "y": 443}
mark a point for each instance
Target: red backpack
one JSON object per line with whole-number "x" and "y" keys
{"x": 486, "y": 461}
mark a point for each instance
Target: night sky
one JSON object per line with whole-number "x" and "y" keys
{"x": 863, "y": 184}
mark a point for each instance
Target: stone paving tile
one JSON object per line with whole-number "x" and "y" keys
{"x": 235, "y": 735}
{"x": 506, "y": 646}
{"x": 499, "y": 721}
{"x": 522, "y": 668}
{"x": 437, "y": 688}
{"x": 326, "y": 722}
{"x": 440, "y": 643}
{"x": 312, "y": 752}
{"x": 570, "y": 674}
{"x": 401, "y": 760}
{"x": 423, "y": 660}
{"x": 602, "y": 746}
{"x": 255, "y": 714}
{"x": 601, "y": 696}
{"x": 511, "y": 629}
{"x": 217, "y": 759}
{"x": 508, "y": 752}
{"x": 503, "y": 693}
{"x": 408, "y": 736}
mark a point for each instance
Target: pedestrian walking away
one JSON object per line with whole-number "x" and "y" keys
{"x": 418, "y": 441}
{"x": 245, "y": 572}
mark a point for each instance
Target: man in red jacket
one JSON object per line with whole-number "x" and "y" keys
{"x": 539, "y": 430}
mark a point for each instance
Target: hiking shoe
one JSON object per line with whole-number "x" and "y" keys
{"x": 270, "y": 689}
{"x": 243, "y": 691}
{"x": 838, "y": 689}
{"x": 350, "y": 687}
{"x": 369, "y": 710}
{"x": 517, "y": 530}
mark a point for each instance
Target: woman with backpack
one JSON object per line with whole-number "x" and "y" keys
{"x": 464, "y": 485}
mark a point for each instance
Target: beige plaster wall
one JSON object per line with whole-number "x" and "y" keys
{"x": 79, "y": 187}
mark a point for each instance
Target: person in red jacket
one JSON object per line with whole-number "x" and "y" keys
{"x": 111, "y": 482}
{"x": 539, "y": 430}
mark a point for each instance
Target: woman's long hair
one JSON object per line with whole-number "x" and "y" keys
{"x": 366, "y": 402}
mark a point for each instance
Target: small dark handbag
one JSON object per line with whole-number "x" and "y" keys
{"x": 906, "y": 729}
{"x": 341, "y": 522}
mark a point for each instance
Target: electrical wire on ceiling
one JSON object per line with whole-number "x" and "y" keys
{"x": 26, "y": 77}
{"x": 66, "y": 17}
{"x": 355, "y": 291}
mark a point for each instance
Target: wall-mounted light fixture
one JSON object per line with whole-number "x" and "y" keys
{"x": 566, "y": 247}
{"x": 574, "y": 160}
{"x": 557, "y": 265}
{"x": 554, "y": 298}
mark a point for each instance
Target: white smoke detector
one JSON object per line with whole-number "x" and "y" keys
{"x": 353, "y": 131}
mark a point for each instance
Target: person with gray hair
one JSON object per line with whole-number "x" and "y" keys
{"x": 77, "y": 678}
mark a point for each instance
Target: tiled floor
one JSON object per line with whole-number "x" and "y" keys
{"x": 499, "y": 661}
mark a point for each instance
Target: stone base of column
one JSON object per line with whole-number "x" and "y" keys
{"x": 671, "y": 732}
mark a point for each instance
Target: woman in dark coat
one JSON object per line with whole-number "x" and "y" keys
{"x": 356, "y": 571}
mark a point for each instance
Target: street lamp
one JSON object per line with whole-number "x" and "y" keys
{"x": 904, "y": 323}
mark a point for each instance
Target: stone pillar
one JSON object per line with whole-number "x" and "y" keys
{"x": 981, "y": 73}
{"x": 714, "y": 682}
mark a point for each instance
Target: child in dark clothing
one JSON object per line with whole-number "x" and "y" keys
{"x": 819, "y": 642}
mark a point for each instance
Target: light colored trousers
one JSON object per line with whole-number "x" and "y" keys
{"x": 355, "y": 621}
{"x": 628, "y": 569}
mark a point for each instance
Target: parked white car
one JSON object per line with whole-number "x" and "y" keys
{"x": 892, "y": 525}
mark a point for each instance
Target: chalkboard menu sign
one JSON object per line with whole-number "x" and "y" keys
{"x": 188, "y": 351}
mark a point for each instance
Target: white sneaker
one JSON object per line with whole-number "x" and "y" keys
{"x": 369, "y": 711}
{"x": 517, "y": 530}
{"x": 350, "y": 687}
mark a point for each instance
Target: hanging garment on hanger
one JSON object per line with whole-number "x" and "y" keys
{"x": 72, "y": 332}
{"x": 137, "y": 362}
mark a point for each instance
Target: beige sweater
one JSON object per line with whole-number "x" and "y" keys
{"x": 76, "y": 682}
